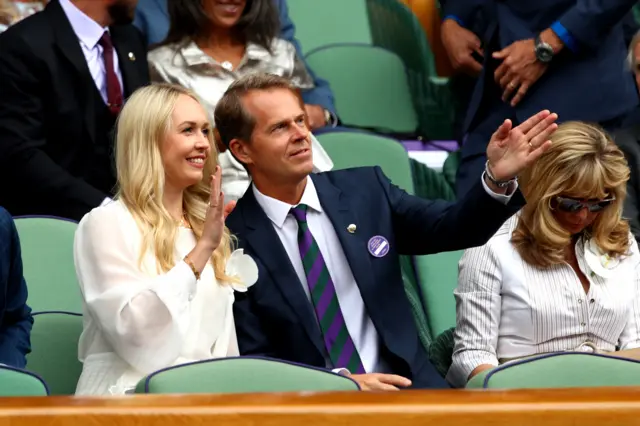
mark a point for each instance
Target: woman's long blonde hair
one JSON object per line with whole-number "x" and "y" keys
{"x": 583, "y": 162}
{"x": 142, "y": 127}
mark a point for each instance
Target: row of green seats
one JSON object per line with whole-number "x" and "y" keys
{"x": 387, "y": 24}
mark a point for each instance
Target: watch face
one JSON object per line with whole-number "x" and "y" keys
{"x": 544, "y": 52}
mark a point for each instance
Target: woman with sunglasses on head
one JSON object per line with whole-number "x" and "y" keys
{"x": 562, "y": 274}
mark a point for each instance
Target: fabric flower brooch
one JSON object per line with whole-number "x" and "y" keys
{"x": 600, "y": 263}
{"x": 242, "y": 267}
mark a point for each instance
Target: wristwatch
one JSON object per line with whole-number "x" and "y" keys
{"x": 544, "y": 51}
{"x": 499, "y": 183}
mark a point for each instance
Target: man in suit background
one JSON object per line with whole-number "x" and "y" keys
{"x": 152, "y": 18}
{"x": 64, "y": 75}
{"x": 15, "y": 315}
{"x": 564, "y": 55}
{"x": 330, "y": 291}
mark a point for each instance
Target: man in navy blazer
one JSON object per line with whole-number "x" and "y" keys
{"x": 329, "y": 292}
{"x": 15, "y": 315}
{"x": 564, "y": 55}
{"x": 152, "y": 18}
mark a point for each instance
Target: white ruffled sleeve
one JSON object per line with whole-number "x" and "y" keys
{"x": 143, "y": 317}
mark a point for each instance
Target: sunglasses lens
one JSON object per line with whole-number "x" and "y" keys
{"x": 569, "y": 205}
{"x": 599, "y": 207}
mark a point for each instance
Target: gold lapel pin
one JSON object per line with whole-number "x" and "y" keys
{"x": 132, "y": 57}
{"x": 351, "y": 228}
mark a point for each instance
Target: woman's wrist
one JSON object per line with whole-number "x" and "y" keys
{"x": 198, "y": 258}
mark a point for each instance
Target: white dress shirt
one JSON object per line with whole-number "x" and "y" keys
{"x": 361, "y": 329}
{"x": 187, "y": 65}
{"x": 135, "y": 319}
{"x": 89, "y": 33}
{"x": 507, "y": 308}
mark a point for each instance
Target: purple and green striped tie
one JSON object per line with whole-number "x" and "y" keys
{"x": 337, "y": 340}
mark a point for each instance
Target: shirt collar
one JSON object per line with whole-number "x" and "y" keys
{"x": 278, "y": 211}
{"x": 194, "y": 56}
{"x": 87, "y": 30}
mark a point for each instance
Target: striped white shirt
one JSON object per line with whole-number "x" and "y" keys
{"x": 507, "y": 308}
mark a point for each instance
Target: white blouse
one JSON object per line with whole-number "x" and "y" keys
{"x": 507, "y": 308}
{"x": 187, "y": 65}
{"x": 136, "y": 320}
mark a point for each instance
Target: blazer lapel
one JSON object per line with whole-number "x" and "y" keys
{"x": 264, "y": 241}
{"x": 69, "y": 48}
{"x": 343, "y": 213}
{"x": 129, "y": 57}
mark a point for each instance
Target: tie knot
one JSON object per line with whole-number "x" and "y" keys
{"x": 300, "y": 212}
{"x": 105, "y": 41}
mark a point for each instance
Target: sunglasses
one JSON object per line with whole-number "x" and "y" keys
{"x": 571, "y": 205}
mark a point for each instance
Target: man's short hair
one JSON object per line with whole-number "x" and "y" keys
{"x": 232, "y": 120}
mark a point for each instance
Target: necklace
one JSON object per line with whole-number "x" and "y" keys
{"x": 184, "y": 222}
{"x": 227, "y": 65}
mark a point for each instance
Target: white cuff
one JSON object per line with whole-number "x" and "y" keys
{"x": 342, "y": 371}
{"x": 502, "y": 198}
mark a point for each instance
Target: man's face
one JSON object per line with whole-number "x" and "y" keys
{"x": 122, "y": 11}
{"x": 279, "y": 151}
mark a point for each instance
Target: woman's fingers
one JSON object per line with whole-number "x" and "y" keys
{"x": 214, "y": 199}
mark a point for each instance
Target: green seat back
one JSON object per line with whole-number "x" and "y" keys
{"x": 369, "y": 85}
{"x": 243, "y": 375}
{"x": 564, "y": 370}
{"x": 16, "y": 382}
{"x": 357, "y": 149}
{"x": 450, "y": 167}
{"x": 320, "y": 23}
{"x": 438, "y": 276}
{"x": 396, "y": 28}
{"x": 429, "y": 183}
{"x": 47, "y": 256}
{"x": 441, "y": 351}
{"x": 54, "y": 350}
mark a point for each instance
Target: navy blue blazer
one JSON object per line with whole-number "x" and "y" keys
{"x": 152, "y": 19}
{"x": 591, "y": 83}
{"x": 15, "y": 315}
{"x": 274, "y": 317}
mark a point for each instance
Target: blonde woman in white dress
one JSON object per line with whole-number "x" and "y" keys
{"x": 155, "y": 265}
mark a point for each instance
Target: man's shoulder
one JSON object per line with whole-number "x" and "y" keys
{"x": 355, "y": 178}
{"x": 35, "y": 31}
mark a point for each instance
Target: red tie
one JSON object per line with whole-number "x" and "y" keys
{"x": 114, "y": 91}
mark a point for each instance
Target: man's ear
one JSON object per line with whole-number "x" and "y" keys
{"x": 219, "y": 144}
{"x": 240, "y": 151}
